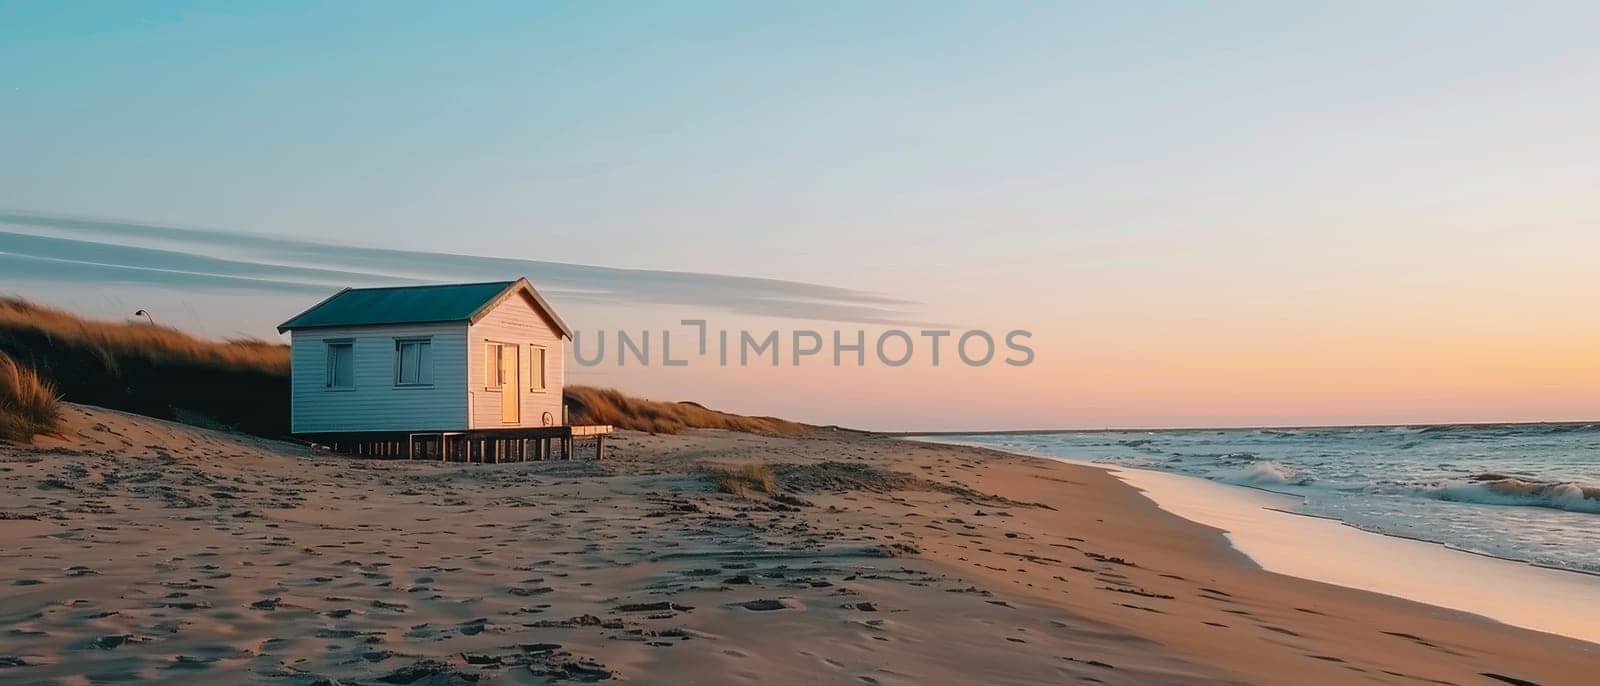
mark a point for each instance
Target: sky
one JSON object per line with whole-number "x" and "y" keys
{"x": 1204, "y": 214}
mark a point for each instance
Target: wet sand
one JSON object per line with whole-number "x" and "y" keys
{"x": 1264, "y": 526}
{"x": 141, "y": 551}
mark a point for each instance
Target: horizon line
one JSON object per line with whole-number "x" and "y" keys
{"x": 1257, "y": 427}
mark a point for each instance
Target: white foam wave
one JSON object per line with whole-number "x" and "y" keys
{"x": 1492, "y": 489}
{"x": 1262, "y": 473}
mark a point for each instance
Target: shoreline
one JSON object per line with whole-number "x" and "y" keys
{"x": 1418, "y": 539}
{"x": 1256, "y": 523}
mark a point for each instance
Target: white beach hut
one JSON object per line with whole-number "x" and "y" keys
{"x": 400, "y": 369}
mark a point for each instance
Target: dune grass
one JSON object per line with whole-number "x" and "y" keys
{"x": 151, "y": 370}
{"x": 126, "y": 340}
{"x": 591, "y": 405}
{"x": 28, "y": 403}
{"x": 743, "y": 479}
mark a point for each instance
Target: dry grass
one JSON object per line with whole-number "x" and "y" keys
{"x": 741, "y": 480}
{"x": 127, "y": 340}
{"x": 609, "y": 406}
{"x": 28, "y": 403}
{"x": 151, "y": 370}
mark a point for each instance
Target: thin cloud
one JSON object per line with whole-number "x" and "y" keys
{"x": 85, "y": 250}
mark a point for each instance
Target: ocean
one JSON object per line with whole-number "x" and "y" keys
{"x": 1528, "y": 492}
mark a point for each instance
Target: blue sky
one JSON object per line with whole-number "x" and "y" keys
{"x": 663, "y": 126}
{"x": 1187, "y": 181}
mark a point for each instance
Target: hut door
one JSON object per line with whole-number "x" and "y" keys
{"x": 510, "y": 385}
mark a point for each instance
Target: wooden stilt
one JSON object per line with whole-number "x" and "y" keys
{"x": 495, "y": 446}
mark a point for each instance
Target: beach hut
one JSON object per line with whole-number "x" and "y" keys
{"x": 450, "y": 371}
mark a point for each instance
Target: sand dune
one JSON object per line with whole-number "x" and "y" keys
{"x": 140, "y": 550}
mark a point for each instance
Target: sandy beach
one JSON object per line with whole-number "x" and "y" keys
{"x": 138, "y": 550}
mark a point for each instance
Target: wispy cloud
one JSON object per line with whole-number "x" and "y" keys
{"x": 47, "y": 247}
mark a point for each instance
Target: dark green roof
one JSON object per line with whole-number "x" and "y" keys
{"x": 399, "y": 305}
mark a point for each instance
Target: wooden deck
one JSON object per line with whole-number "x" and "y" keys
{"x": 519, "y": 444}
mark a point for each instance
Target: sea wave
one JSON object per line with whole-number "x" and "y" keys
{"x": 1262, "y": 473}
{"x": 1499, "y": 489}
{"x": 1479, "y": 489}
{"x": 1570, "y": 428}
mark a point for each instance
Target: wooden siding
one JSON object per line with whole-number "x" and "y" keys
{"x": 515, "y": 320}
{"x": 376, "y": 404}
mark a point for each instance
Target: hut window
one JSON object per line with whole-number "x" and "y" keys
{"x": 341, "y": 364}
{"x": 494, "y": 373}
{"x": 413, "y": 362}
{"x": 536, "y": 370}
